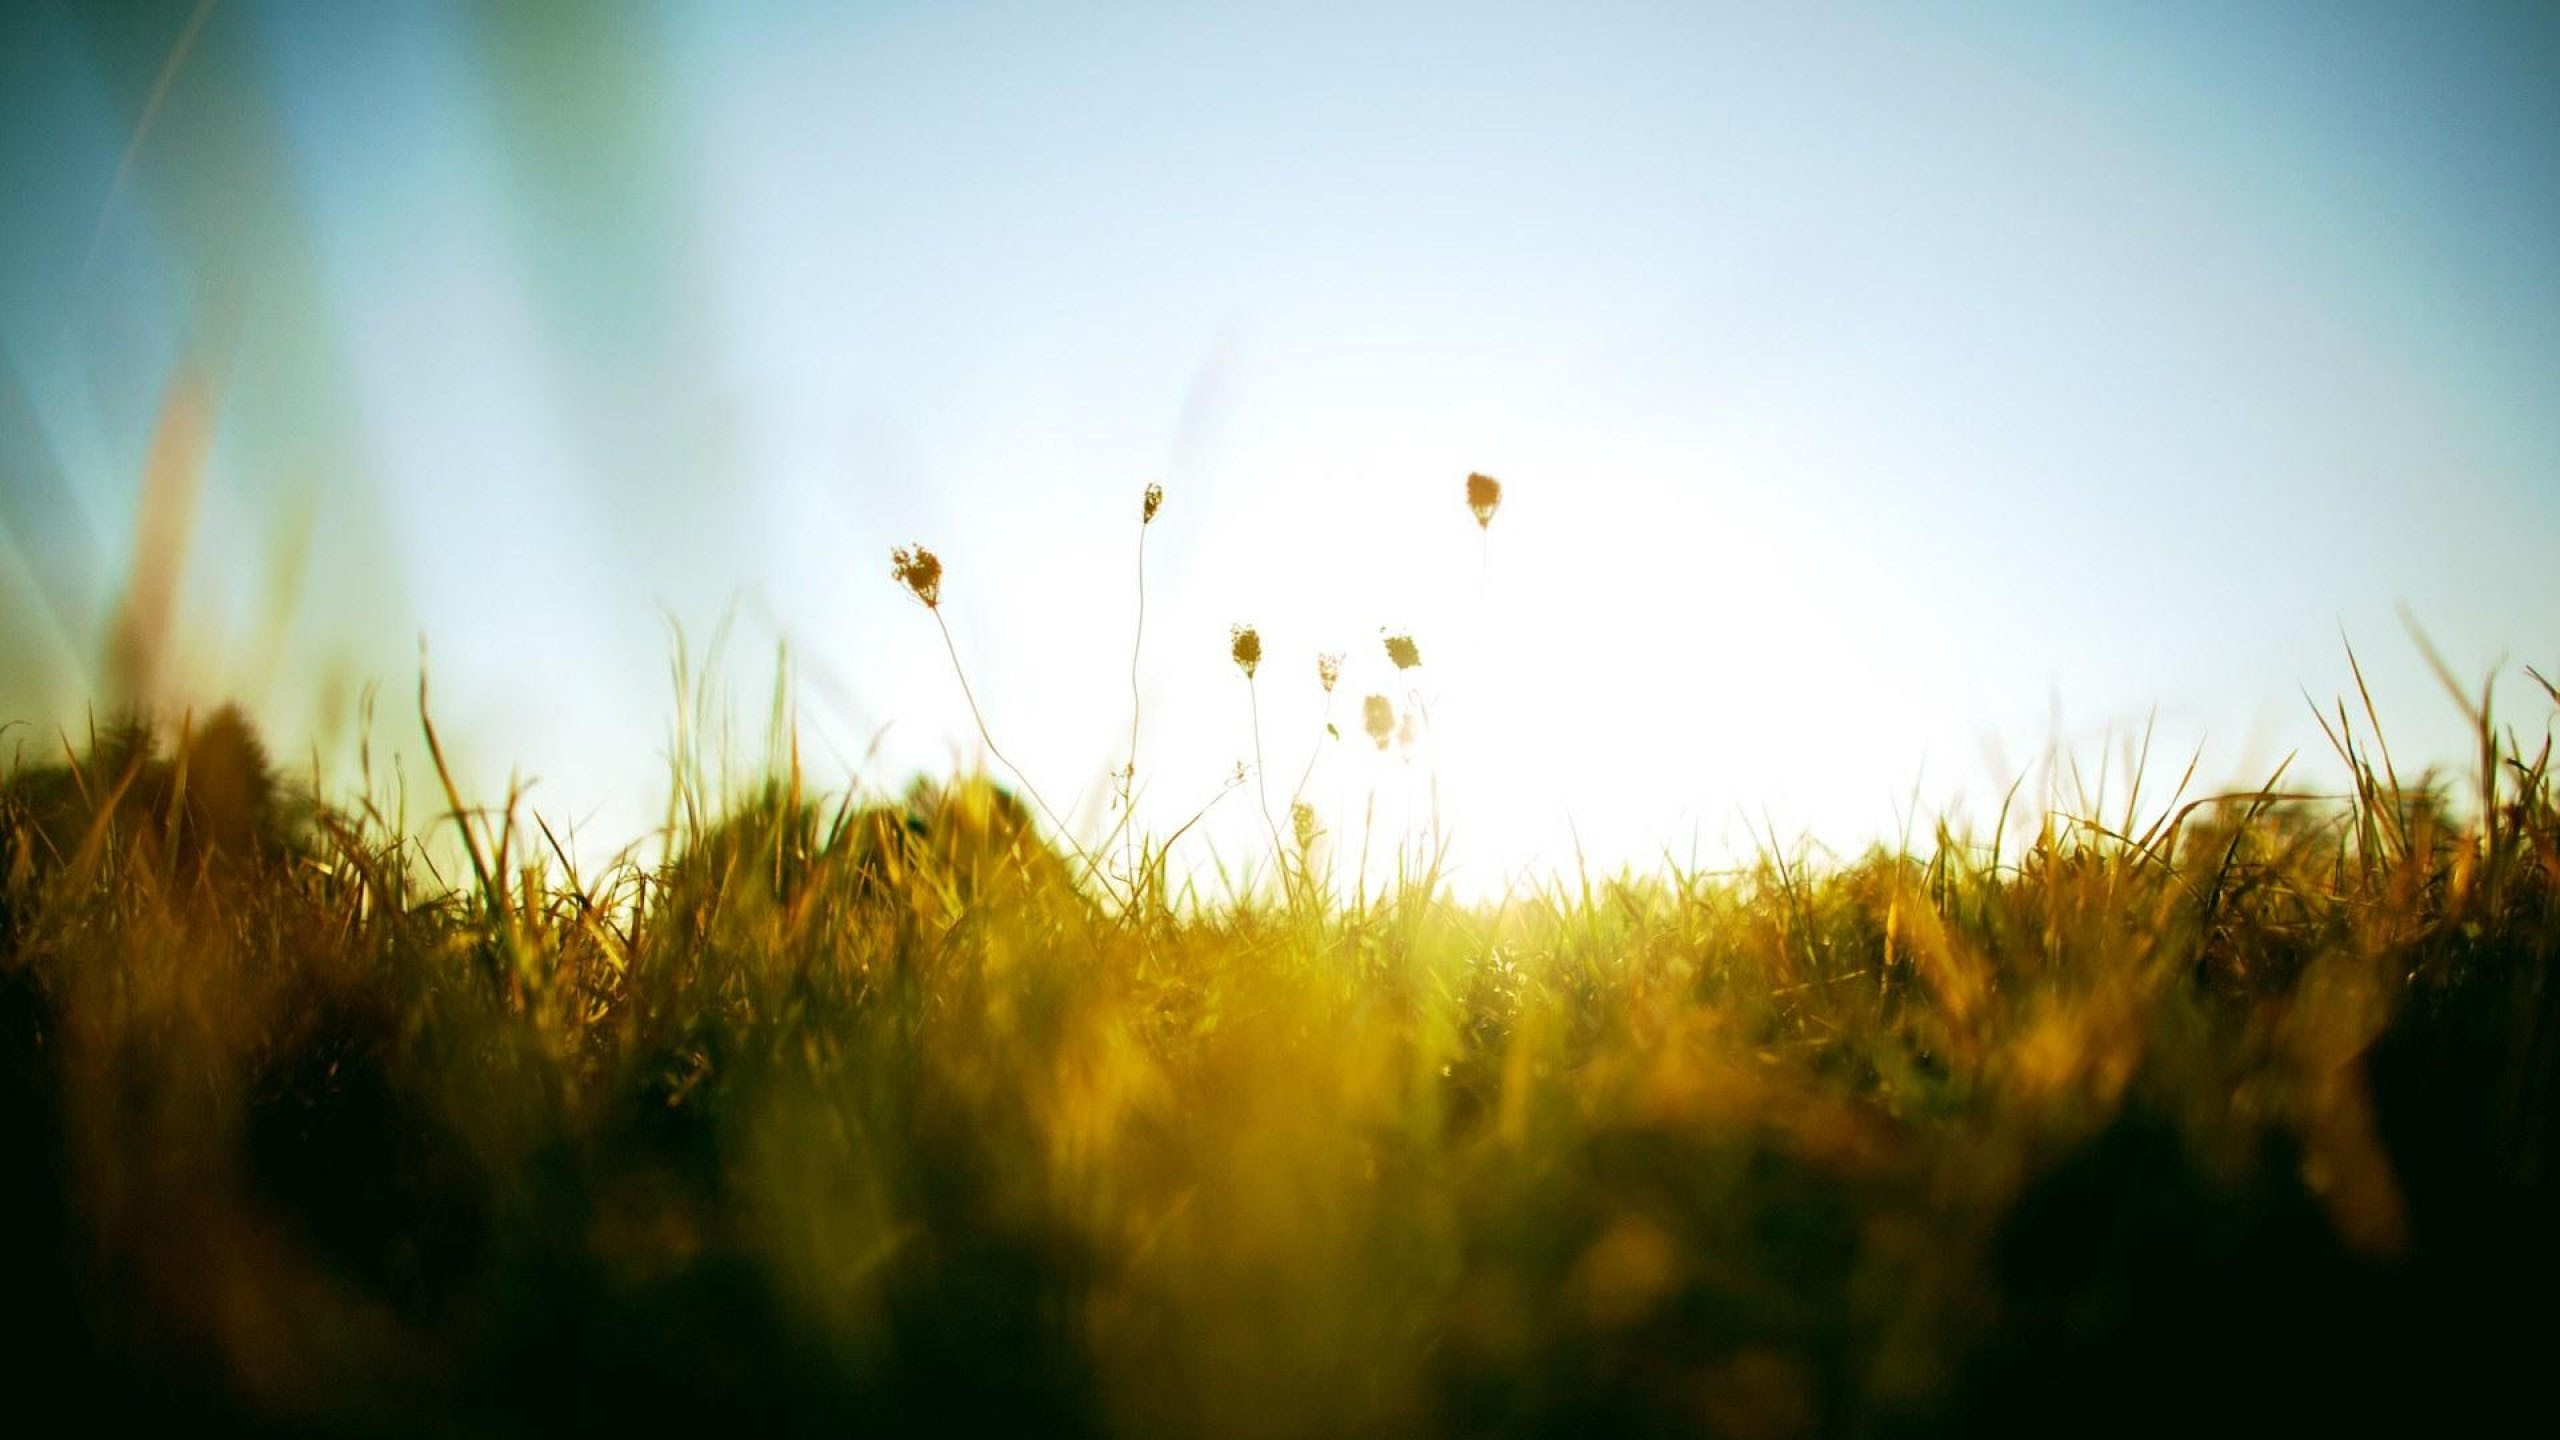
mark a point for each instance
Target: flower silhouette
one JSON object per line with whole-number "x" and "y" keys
{"x": 917, "y": 568}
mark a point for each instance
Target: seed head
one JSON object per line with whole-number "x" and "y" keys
{"x": 1402, "y": 650}
{"x": 917, "y": 568}
{"x": 1245, "y": 645}
{"x": 1379, "y": 718}
{"x": 1329, "y": 669}
{"x": 1154, "y": 501}
{"x": 1484, "y": 496}
{"x": 1302, "y": 825}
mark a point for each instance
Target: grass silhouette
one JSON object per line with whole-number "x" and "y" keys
{"x": 2233, "y": 1112}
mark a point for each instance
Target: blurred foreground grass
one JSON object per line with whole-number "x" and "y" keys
{"x": 850, "y": 1117}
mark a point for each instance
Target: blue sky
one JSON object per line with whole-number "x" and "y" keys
{"x": 1883, "y": 393}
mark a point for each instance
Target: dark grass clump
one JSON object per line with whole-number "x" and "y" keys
{"x": 887, "y": 1116}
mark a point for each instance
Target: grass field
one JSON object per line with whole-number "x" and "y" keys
{"x": 2232, "y": 1112}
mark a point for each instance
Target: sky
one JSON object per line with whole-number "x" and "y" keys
{"x": 1888, "y": 399}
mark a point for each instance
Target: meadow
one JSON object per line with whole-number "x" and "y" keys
{"x": 903, "y": 1113}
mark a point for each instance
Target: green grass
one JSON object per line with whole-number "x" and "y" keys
{"x": 889, "y": 1117}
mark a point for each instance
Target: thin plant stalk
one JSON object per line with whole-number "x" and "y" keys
{"x": 1262, "y": 788}
{"x": 1132, "y": 846}
{"x": 1298, "y": 792}
{"x": 1129, "y": 774}
{"x": 1368, "y": 827}
{"x": 1328, "y": 674}
{"x": 962, "y": 672}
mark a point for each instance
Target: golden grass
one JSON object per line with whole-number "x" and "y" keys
{"x": 895, "y": 1114}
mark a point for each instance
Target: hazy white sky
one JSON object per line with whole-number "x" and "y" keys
{"x": 1881, "y": 392}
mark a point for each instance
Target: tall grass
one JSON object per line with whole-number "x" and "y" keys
{"x": 2228, "y": 1109}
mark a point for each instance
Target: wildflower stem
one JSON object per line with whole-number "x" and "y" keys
{"x": 1262, "y": 788}
{"x": 1368, "y": 827}
{"x": 987, "y": 736}
{"x": 1129, "y": 776}
{"x": 1314, "y": 753}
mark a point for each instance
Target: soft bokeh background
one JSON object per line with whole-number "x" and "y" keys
{"x": 1884, "y": 393}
